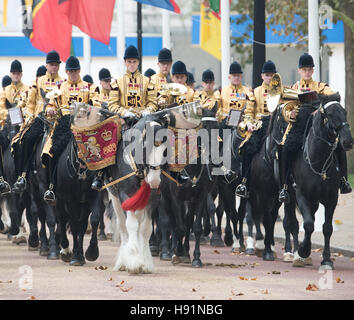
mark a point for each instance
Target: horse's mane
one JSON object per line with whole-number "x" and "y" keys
{"x": 328, "y": 98}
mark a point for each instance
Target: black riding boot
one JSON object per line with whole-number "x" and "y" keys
{"x": 49, "y": 195}
{"x": 22, "y": 153}
{"x": 97, "y": 183}
{"x": 4, "y": 185}
{"x": 241, "y": 189}
{"x": 284, "y": 169}
{"x": 345, "y": 186}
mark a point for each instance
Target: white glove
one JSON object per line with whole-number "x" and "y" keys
{"x": 145, "y": 113}
{"x": 128, "y": 114}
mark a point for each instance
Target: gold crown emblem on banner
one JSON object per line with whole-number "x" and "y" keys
{"x": 78, "y": 137}
{"x": 106, "y": 135}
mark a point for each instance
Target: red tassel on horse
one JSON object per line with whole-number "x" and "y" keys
{"x": 139, "y": 200}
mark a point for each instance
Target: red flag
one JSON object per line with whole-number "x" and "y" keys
{"x": 49, "y": 29}
{"x": 94, "y": 17}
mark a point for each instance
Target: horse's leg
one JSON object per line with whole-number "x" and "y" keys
{"x": 327, "y": 230}
{"x": 153, "y": 241}
{"x": 249, "y": 220}
{"x": 164, "y": 225}
{"x": 83, "y": 223}
{"x": 32, "y": 219}
{"x": 307, "y": 210}
{"x": 189, "y": 225}
{"x": 257, "y": 211}
{"x": 241, "y": 215}
{"x": 219, "y": 214}
{"x": 121, "y": 229}
{"x": 97, "y": 209}
{"x": 145, "y": 233}
{"x": 179, "y": 231}
{"x": 269, "y": 219}
{"x": 102, "y": 235}
{"x": 51, "y": 224}
{"x": 291, "y": 227}
{"x": 75, "y": 212}
{"x": 65, "y": 252}
{"x": 215, "y": 240}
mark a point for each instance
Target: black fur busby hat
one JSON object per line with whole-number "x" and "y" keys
{"x": 149, "y": 72}
{"x": 104, "y": 75}
{"x": 6, "y": 80}
{"x": 41, "y": 71}
{"x": 131, "y": 53}
{"x": 306, "y": 60}
{"x": 235, "y": 67}
{"x": 208, "y": 75}
{"x": 269, "y": 66}
{"x": 165, "y": 55}
{"x": 53, "y": 57}
{"x": 179, "y": 68}
{"x": 72, "y": 63}
{"x": 16, "y": 66}
{"x": 190, "y": 77}
{"x": 87, "y": 78}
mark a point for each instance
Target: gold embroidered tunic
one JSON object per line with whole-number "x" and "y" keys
{"x": 129, "y": 93}
{"x": 14, "y": 93}
{"x": 311, "y": 85}
{"x": 207, "y": 99}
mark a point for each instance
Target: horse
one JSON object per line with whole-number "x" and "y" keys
{"x": 316, "y": 173}
{"x": 12, "y": 203}
{"x": 133, "y": 185}
{"x": 184, "y": 197}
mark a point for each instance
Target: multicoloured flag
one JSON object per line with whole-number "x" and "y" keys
{"x": 163, "y": 4}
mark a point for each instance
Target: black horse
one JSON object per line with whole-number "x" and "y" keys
{"x": 12, "y": 202}
{"x": 184, "y": 197}
{"x": 316, "y": 172}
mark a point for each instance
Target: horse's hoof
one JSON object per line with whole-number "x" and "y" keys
{"x": 308, "y": 261}
{"x": 77, "y": 262}
{"x": 288, "y": 257}
{"x": 298, "y": 261}
{"x": 175, "y": 259}
{"x": 197, "y": 263}
{"x": 268, "y": 256}
{"x": 204, "y": 240}
{"x": 66, "y": 257}
{"x": 250, "y": 251}
{"x": 154, "y": 250}
{"x": 5, "y": 230}
{"x": 185, "y": 259}
{"x": 236, "y": 250}
{"x": 217, "y": 242}
{"x": 92, "y": 253}
{"x": 102, "y": 237}
{"x": 109, "y": 236}
{"x": 165, "y": 256}
{"x": 259, "y": 253}
{"x": 327, "y": 265}
{"x": 304, "y": 253}
{"x": 53, "y": 256}
{"x": 228, "y": 240}
{"x": 9, "y": 237}
{"x": 33, "y": 248}
{"x": 122, "y": 268}
{"x": 19, "y": 240}
{"x": 43, "y": 252}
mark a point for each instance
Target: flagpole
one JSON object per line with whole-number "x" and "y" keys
{"x": 139, "y": 34}
{"x": 166, "y": 34}
{"x": 225, "y": 41}
{"x": 87, "y": 54}
{"x": 120, "y": 37}
{"x": 314, "y": 37}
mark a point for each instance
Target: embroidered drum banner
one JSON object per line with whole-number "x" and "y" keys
{"x": 97, "y": 144}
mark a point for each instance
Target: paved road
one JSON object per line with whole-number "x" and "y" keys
{"x": 26, "y": 275}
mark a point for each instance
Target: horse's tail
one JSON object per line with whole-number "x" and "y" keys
{"x": 139, "y": 200}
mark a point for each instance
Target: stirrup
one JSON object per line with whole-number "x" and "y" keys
{"x": 49, "y": 195}
{"x": 284, "y": 195}
{"x": 20, "y": 184}
{"x": 97, "y": 183}
{"x": 345, "y": 186}
{"x": 241, "y": 189}
{"x": 4, "y": 186}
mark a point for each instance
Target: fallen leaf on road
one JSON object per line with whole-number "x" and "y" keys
{"x": 275, "y": 272}
{"x": 243, "y": 278}
{"x": 110, "y": 279}
{"x": 194, "y": 290}
{"x": 7, "y": 281}
{"x": 125, "y": 289}
{"x": 337, "y": 221}
{"x": 338, "y": 254}
{"x": 253, "y": 278}
{"x": 339, "y": 280}
{"x": 32, "y": 298}
{"x": 216, "y": 251}
{"x": 101, "y": 268}
{"x": 237, "y": 294}
{"x": 202, "y": 298}
{"x": 312, "y": 287}
{"x": 265, "y": 291}
{"x": 317, "y": 250}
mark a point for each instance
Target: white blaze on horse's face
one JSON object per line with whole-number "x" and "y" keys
{"x": 154, "y": 159}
